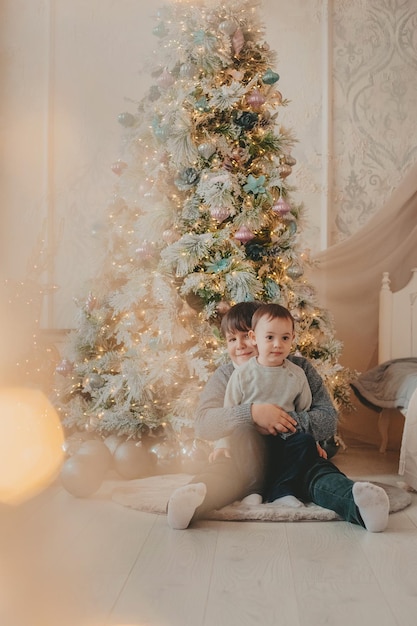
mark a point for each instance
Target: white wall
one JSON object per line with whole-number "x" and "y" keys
{"x": 69, "y": 67}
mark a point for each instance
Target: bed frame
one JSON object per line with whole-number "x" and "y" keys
{"x": 397, "y": 336}
{"x": 397, "y": 320}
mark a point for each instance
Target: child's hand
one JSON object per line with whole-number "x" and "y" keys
{"x": 322, "y": 452}
{"x": 270, "y": 419}
{"x": 219, "y": 452}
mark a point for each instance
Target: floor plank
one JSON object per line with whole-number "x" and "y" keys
{"x": 252, "y": 582}
{"x": 168, "y": 584}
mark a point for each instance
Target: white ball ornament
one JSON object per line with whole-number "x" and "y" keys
{"x": 97, "y": 452}
{"x": 228, "y": 27}
{"x": 206, "y": 149}
{"x": 133, "y": 460}
{"x": 80, "y": 476}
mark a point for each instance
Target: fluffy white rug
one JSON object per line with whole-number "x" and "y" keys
{"x": 152, "y": 494}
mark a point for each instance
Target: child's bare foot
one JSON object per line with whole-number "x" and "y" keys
{"x": 373, "y": 504}
{"x": 183, "y": 503}
{"x": 292, "y": 501}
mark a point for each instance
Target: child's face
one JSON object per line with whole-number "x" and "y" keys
{"x": 240, "y": 347}
{"x": 273, "y": 338}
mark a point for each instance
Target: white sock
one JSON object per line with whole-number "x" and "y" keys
{"x": 289, "y": 501}
{"x": 183, "y": 503}
{"x": 373, "y": 504}
{"x": 253, "y": 498}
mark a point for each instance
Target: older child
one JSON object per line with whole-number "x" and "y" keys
{"x": 270, "y": 375}
{"x": 250, "y": 426}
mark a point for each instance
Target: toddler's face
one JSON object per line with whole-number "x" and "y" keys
{"x": 240, "y": 347}
{"x": 273, "y": 338}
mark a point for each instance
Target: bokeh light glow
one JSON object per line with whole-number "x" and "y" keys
{"x": 31, "y": 443}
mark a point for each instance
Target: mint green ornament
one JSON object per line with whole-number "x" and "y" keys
{"x": 255, "y": 185}
{"x": 126, "y": 119}
{"x": 159, "y": 30}
{"x": 202, "y": 105}
{"x": 270, "y": 77}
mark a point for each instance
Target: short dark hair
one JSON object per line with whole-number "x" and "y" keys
{"x": 271, "y": 311}
{"x": 239, "y": 317}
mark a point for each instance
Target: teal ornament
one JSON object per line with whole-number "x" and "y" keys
{"x": 255, "y": 185}
{"x": 270, "y": 77}
{"x": 159, "y": 30}
{"x": 218, "y": 266}
{"x": 187, "y": 178}
{"x": 126, "y": 119}
{"x": 246, "y": 119}
{"x": 292, "y": 227}
{"x": 199, "y": 37}
{"x": 202, "y": 105}
{"x": 272, "y": 289}
{"x": 161, "y": 132}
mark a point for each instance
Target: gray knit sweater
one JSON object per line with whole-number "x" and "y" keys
{"x": 213, "y": 421}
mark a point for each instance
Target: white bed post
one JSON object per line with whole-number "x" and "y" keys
{"x": 384, "y": 349}
{"x": 385, "y": 320}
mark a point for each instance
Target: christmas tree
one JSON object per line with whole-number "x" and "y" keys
{"x": 201, "y": 218}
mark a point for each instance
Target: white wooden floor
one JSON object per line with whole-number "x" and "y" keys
{"x": 74, "y": 562}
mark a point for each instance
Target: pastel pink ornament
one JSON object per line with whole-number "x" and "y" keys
{"x": 64, "y": 368}
{"x": 165, "y": 80}
{"x": 91, "y": 302}
{"x": 169, "y": 236}
{"x": 281, "y": 207}
{"x": 219, "y": 213}
{"x": 145, "y": 251}
{"x": 244, "y": 234}
{"x": 237, "y": 41}
{"x": 255, "y": 99}
{"x": 118, "y": 167}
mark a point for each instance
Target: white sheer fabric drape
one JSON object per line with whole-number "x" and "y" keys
{"x": 347, "y": 276}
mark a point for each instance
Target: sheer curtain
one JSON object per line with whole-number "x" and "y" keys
{"x": 348, "y": 275}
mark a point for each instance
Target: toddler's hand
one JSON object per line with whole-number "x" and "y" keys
{"x": 322, "y": 452}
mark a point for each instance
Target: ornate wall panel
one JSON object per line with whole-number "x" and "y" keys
{"x": 375, "y": 106}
